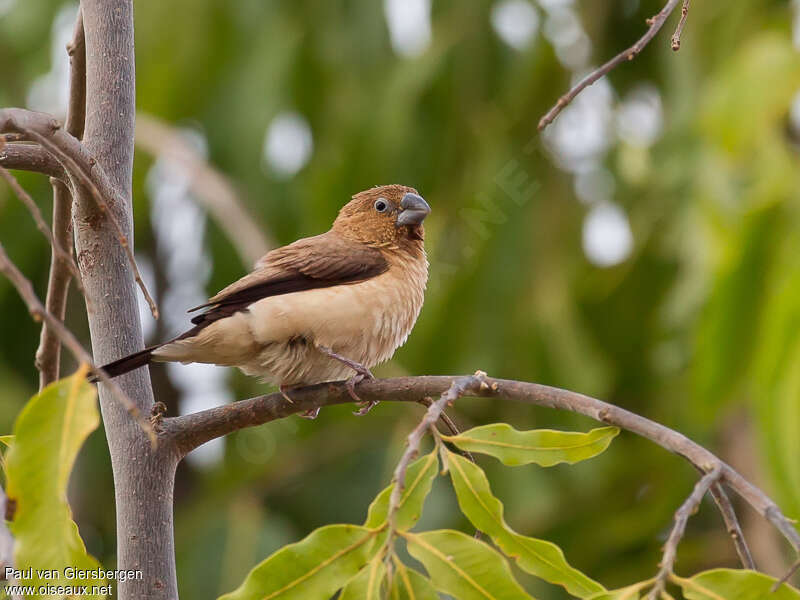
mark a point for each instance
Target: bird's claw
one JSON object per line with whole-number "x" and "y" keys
{"x": 284, "y": 390}
{"x": 364, "y": 406}
{"x": 311, "y": 413}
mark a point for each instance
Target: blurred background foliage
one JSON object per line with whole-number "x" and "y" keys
{"x": 644, "y": 250}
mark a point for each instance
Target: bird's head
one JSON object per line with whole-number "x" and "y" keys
{"x": 388, "y": 215}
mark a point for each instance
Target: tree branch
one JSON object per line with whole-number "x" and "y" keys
{"x": 190, "y": 431}
{"x": 143, "y": 476}
{"x": 681, "y": 518}
{"x": 732, "y": 525}
{"x": 82, "y": 168}
{"x": 458, "y": 388}
{"x": 31, "y": 157}
{"x": 676, "y": 37}
{"x": 40, "y": 313}
{"x": 48, "y": 355}
{"x": 629, "y": 54}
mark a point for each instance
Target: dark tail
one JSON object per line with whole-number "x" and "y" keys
{"x": 127, "y": 363}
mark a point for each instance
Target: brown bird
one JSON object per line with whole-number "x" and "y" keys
{"x": 320, "y": 308}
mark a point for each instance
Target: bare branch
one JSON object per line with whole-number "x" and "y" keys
{"x": 210, "y": 187}
{"x": 732, "y": 525}
{"x": 629, "y": 54}
{"x": 676, "y": 37}
{"x": 69, "y": 151}
{"x": 192, "y": 430}
{"x": 458, "y": 388}
{"x": 31, "y": 157}
{"x": 39, "y": 313}
{"x": 62, "y": 253}
{"x": 681, "y": 518}
{"x": 76, "y": 109}
{"x": 48, "y": 355}
{"x": 792, "y": 570}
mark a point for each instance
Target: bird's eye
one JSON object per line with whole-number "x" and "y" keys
{"x": 381, "y": 205}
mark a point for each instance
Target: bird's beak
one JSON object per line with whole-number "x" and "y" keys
{"x": 413, "y": 210}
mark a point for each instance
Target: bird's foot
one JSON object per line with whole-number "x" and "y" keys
{"x": 360, "y": 369}
{"x": 364, "y": 406}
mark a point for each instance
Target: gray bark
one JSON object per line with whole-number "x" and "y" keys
{"x": 143, "y": 476}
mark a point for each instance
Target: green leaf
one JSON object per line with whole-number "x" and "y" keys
{"x": 419, "y": 479}
{"x": 464, "y": 567}
{"x": 631, "y": 592}
{"x": 313, "y": 568}
{"x": 734, "y": 584}
{"x": 538, "y": 557}
{"x": 368, "y": 584}
{"x": 544, "y": 447}
{"x": 49, "y": 432}
{"x": 6, "y": 440}
{"x": 408, "y": 584}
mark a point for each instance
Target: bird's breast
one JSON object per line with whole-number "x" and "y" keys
{"x": 365, "y": 321}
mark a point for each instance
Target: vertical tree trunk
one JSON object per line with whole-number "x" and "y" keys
{"x": 143, "y": 476}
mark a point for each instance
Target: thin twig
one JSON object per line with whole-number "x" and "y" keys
{"x": 69, "y": 151}
{"x": 62, "y": 253}
{"x": 85, "y": 179}
{"x": 76, "y": 108}
{"x": 48, "y": 355}
{"x": 31, "y": 157}
{"x": 629, "y": 54}
{"x": 458, "y": 388}
{"x": 732, "y": 525}
{"x": 676, "y": 37}
{"x": 681, "y": 518}
{"x": 39, "y": 313}
{"x": 452, "y": 428}
{"x": 792, "y": 570}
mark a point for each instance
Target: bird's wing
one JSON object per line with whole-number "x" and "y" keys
{"x": 317, "y": 262}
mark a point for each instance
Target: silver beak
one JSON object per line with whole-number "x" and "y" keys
{"x": 413, "y": 210}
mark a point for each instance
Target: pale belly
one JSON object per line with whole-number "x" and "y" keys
{"x": 277, "y": 337}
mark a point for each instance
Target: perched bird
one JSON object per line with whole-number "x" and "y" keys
{"x": 319, "y": 309}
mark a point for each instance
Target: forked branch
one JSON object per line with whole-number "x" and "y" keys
{"x": 82, "y": 168}
{"x": 48, "y": 355}
{"x": 681, "y": 519}
{"x": 26, "y": 156}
